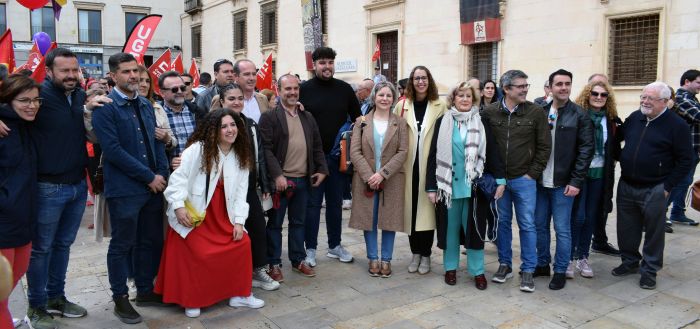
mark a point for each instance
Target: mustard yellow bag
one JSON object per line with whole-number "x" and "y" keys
{"x": 197, "y": 217}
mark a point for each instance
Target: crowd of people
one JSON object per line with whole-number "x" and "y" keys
{"x": 197, "y": 184}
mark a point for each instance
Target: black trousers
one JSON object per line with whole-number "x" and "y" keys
{"x": 421, "y": 242}
{"x": 641, "y": 210}
{"x": 255, "y": 225}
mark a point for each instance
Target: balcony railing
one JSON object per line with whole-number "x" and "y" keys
{"x": 51, "y": 31}
{"x": 192, "y": 6}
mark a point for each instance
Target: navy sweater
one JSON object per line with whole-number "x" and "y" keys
{"x": 656, "y": 152}
{"x": 18, "y": 186}
{"x": 59, "y": 135}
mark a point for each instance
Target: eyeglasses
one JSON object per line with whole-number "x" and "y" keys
{"x": 521, "y": 87}
{"x": 27, "y": 101}
{"x": 602, "y": 95}
{"x": 175, "y": 89}
{"x": 648, "y": 98}
{"x": 420, "y": 78}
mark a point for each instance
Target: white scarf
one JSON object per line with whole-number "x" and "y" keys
{"x": 474, "y": 149}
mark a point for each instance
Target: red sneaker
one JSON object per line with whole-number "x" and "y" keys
{"x": 275, "y": 272}
{"x": 304, "y": 269}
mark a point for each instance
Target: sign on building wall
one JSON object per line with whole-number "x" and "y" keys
{"x": 346, "y": 65}
{"x": 479, "y": 21}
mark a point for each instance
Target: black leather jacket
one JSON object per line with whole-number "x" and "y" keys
{"x": 573, "y": 145}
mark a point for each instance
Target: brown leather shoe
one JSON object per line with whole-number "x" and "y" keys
{"x": 373, "y": 268}
{"x": 386, "y": 269}
{"x": 480, "y": 282}
{"x": 275, "y": 272}
{"x": 451, "y": 277}
{"x": 304, "y": 269}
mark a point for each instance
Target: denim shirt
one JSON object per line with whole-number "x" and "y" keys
{"x": 125, "y": 162}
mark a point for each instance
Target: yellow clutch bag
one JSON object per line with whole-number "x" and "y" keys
{"x": 197, "y": 217}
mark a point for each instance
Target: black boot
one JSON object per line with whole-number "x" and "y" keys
{"x": 124, "y": 311}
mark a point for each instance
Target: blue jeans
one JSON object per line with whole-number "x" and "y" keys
{"x": 678, "y": 194}
{"x": 552, "y": 203}
{"x": 297, "y": 213}
{"x": 332, "y": 187}
{"x": 587, "y": 208}
{"x": 137, "y": 236}
{"x": 520, "y": 192}
{"x": 60, "y": 209}
{"x": 371, "y": 237}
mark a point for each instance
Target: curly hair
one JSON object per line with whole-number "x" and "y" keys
{"x": 208, "y": 132}
{"x": 462, "y": 86}
{"x": 410, "y": 92}
{"x": 610, "y": 103}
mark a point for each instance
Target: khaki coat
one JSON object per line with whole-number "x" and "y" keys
{"x": 394, "y": 151}
{"x": 425, "y": 214}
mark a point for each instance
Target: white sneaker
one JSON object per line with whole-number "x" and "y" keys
{"x": 340, "y": 253}
{"x": 347, "y": 204}
{"x": 263, "y": 281}
{"x": 585, "y": 268}
{"x": 570, "y": 270}
{"x": 16, "y": 322}
{"x": 192, "y": 312}
{"x": 249, "y": 301}
{"x": 311, "y": 257}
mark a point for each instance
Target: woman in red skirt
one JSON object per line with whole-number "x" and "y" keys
{"x": 206, "y": 261}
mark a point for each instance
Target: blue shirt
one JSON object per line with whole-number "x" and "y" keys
{"x": 183, "y": 124}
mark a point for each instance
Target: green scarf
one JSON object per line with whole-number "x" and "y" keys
{"x": 597, "y": 118}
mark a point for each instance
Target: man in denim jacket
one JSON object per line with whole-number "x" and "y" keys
{"x": 135, "y": 168}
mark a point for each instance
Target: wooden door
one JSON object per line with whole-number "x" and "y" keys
{"x": 389, "y": 54}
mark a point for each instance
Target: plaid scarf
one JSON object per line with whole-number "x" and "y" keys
{"x": 474, "y": 149}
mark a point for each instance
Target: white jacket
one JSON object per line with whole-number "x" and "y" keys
{"x": 189, "y": 182}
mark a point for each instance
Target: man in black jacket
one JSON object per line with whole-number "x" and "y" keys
{"x": 656, "y": 157}
{"x": 572, "y": 150}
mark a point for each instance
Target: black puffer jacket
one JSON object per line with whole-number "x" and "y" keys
{"x": 573, "y": 145}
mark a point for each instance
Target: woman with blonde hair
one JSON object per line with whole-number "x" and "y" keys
{"x": 378, "y": 153}
{"x": 164, "y": 134}
{"x": 594, "y": 201}
{"x": 463, "y": 152}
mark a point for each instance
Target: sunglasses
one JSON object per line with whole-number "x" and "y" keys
{"x": 188, "y": 83}
{"x": 175, "y": 89}
{"x": 596, "y": 94}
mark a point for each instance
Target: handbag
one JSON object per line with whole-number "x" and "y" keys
{"x": 486, "y": 184}
{"x": 344, "y": 161}
{"x": 98, "y": 185}
{"x": 695, "y": 196}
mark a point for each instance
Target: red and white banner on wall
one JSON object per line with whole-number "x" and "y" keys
{"x": 488, "y": 30}
{"x": 141, "y": 36}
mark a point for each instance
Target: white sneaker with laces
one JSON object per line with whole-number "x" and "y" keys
{"x": 249, "y": 301}
{"x": 192, "y": 312}
{"x": 311, "y": 257}
{"x": 263, "y": 281}
{"x": 340, "y": 253}
{"x": 16, "y": 322}
{"x": 585, "y": 268}
{"x": 570, "y": 270}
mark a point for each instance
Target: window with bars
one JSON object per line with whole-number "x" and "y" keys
{"x": 197, "y": 41}
{"x": 484, "y": 61}
{"x": 42, "y": 20}
{"x": 633, "y": 50}
{"x": 130, "y": 20}
{"x": 268, "y": 23}
{"x": 89, "y": 26}
{"x": 239, "y": 31}
{"x": 324, "y": 16}
{"x": 3, "y": 18}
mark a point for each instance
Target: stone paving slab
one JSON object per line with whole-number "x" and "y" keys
{"x": 344, "y": 296}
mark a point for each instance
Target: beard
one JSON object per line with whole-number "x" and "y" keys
{"x": 646, "y": 110}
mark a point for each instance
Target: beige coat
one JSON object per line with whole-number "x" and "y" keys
{"x": 394, "y": 151}
{"x": 425, "y": 214}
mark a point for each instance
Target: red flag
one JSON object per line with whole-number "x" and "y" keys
{"x": 376, "y": 54}
{"x": 39, "y": 73}
{"x": 140, "y": 36}
{"x": 194, "y": 72}
{"x": 7, "y": 51}
{"x": 160, "y": 66}
{"x": 177, "y": 65}
{"x": 32, "y": 60}
{"x": 264, "y": 79}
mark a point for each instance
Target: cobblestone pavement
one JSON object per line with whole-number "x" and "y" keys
{"x": 345, "y": 296}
